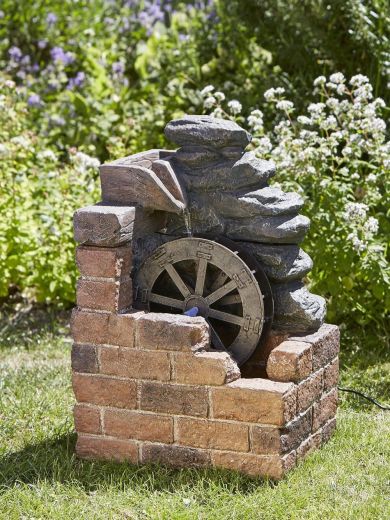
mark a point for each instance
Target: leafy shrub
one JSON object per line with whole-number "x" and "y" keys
{"x": 337, "y": 156}
{"x": 39, "y": 191}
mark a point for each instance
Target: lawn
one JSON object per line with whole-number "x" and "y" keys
{"x": 41, "y": 478}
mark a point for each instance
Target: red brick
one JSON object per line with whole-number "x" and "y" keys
{"x": 309, "y": 391}
{"x": 158, "y": 331}
{"x": 205, "y": 368}
{"x": 255, "y": 400}
{"x": 290, "y": 361}
{"x": 271, "y": 466}
{"x": 281, "y": 440}
{"x": 325, "y": 343}
{"x": 88, "y": 447}
{"x": 110, "y": 296}
{"x": 325, "y": 409}
{"x": 331, "y": 375}
{"x": 104, "y": 262}
{"x": 84, "y": 359}
{"x": 135, "y": 364}
{"x": 121, "y": 329}
{"x": 256, "y": 365}
{"x": 309, "y": 445}
{"x": 86, "y": 419}
{"x": 202, "y": 433}
{"x": 176, "y": 456}
{"x": 328, "y": 429}
{"x": 89, "y": 327}
{"x": 105, "y": 391}
{"x": 135, "y": 425}
{"x": 174, "y": 399}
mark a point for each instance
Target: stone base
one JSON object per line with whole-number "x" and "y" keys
{"x": 149, "y": 389}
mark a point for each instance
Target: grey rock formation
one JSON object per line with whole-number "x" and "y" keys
{"x": 212, "y": 186}
{"x": 296, "y": 309}
{"x": 281, "y": 263}
{"x": 228, "y": 194}
{"x": 207, "y": 131}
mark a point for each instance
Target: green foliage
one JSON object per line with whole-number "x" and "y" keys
{"x": 39, "y": 193}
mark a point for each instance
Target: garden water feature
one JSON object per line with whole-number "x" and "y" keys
{"x": 246, "y": 382}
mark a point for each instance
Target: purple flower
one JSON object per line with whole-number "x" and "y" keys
{"x": 34, "y": 100}
{"x": 42, "y": 44}
{"x": 15, "y": 53}
{"x": 60, "y": 56}
{"x": 51, "y": 18}
{"x": 77, "y": 81}
{"x": 118, "y": 68}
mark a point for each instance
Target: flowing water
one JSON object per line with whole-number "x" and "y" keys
{"x": 187, "y": 221}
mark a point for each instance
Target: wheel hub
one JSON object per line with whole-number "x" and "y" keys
{"x": 197, "y": 301}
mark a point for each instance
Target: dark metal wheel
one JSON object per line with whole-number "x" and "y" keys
{"x": 228, "y": 288}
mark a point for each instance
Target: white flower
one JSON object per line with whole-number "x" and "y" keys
{"x": 21, "y": 140}
{"x": 379, "y": 103}
{"x": 341, "y": 89}
{"x": 206, "y": 90}
{"x": 371, "y": 226}
{"x": 84, "y": 161}
{"x": 325, "y": 182}
{"x": 255, "y": 120}
{"x": 371, "y": 178}
{"x": 4, "y": 150}
{"x": 321, "y": 80}
{"x": 355, "y": 176}
{"x": 358, "y": 80}
{"x": 264, "y": 145}
{"x": 234, "y": 106}
{"x": 47, "y": 154}
{"x": 272, "y": 93}
{"x": 217, "y": 112}
{"x": 285, "y": 105}
{"x": 304, "y": 120}
{"x": 337, "y": 77}
{"x": 346, "y": 151}
{"x": 355, "y": 211}
{"x": 9, "y": 83}
{"x": 316, "y": 109}
{"x": 357, "y": 244}
{"x": 209, "y": 102}
{"x": 329, "y": 123}
{"x": 219, "y": 96}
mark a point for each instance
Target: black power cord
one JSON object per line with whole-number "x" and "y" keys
{"x": 371, "y": 399}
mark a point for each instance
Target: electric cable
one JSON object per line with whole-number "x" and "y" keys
{"x": 365, "y": 396}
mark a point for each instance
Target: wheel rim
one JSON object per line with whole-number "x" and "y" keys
{"x": 196, "y": 272}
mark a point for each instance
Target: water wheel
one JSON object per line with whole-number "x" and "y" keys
{"x": 226, "y": 285}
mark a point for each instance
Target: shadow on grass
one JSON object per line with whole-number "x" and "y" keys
{"x": 54, "y": 460}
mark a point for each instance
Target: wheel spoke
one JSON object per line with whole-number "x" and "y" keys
{"x": 225, "y": 316}
{"x": 231, "y": 299}
{"x": 216, "y": 340}
{"x": 225, "y": 289}
{"x": 165, "y": 300}
{"x": 177, "y": 280}
{"x": 200, "y": 276}
{"x": 219, "y": 281}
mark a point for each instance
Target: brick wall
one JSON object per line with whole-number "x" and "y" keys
{"x": 148, "y": 388}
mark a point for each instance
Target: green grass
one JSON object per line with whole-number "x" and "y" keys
{"x": 40, "y": 478}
